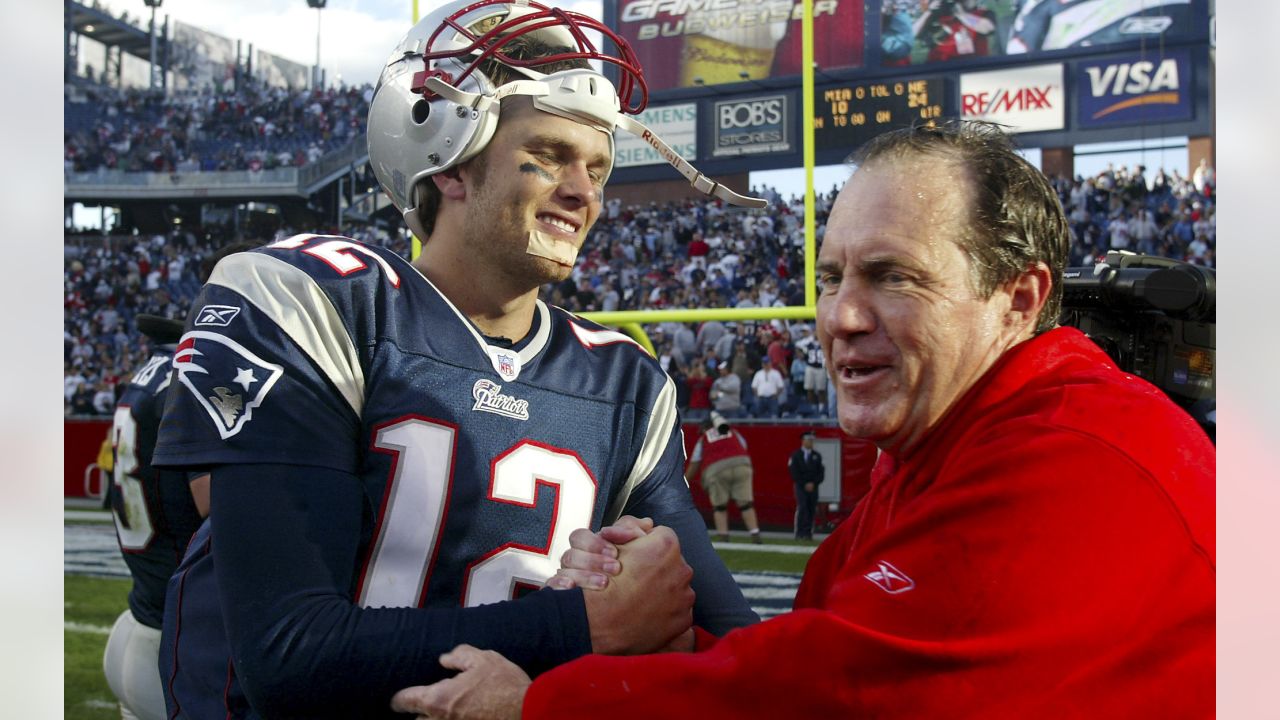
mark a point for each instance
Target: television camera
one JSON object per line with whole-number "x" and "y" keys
{"x": 1156, "y": 318}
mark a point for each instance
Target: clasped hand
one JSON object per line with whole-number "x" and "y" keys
{"x": 636, "y": 587}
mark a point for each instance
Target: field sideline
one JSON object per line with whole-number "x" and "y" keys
{"x": 96, "y": 587}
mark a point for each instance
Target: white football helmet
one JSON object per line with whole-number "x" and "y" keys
{"x": 434, "y": 108}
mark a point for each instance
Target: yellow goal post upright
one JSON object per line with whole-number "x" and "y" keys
{"x": 632, "y": 321}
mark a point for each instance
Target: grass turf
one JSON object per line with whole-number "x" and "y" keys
{"x": 90, "y": 608}
{"x": 91, "y": 605}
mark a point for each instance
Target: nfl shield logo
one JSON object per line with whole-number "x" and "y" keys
{"x": 505, "y": 362}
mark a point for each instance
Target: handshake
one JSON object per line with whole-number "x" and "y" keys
{"x": 636, "y": 587}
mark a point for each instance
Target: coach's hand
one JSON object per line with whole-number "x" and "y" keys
{"x": 488, "y": 687}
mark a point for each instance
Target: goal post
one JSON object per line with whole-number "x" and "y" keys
{"x": 632, "y": 321}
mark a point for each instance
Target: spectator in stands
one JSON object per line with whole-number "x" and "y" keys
{"x": 708, "y": 333}
{"x": 1143, "y": 231}
{"x": 104, "y": 400}
{"x": 82, "y": 400}
{"x": 726, "y": 392}
{"x": 963, "y": 581}
{"x": 699, "y": 392}
{"x": 815, "y": 370}
{"x": 769, "y": 389}
{"x": 72, "y": 379}
{"x": 1203, "y": 179}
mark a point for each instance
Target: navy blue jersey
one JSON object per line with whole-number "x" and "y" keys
{"x": 154, "y": 513}
{"x": 470, "y": 463}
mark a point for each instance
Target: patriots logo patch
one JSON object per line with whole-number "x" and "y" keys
{"x": 217, "y": 315}
{"x": 225, "y": 377}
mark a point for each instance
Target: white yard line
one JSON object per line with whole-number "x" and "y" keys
{"x": 85, "y": 628}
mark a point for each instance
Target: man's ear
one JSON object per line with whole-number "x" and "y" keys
{"x": 1027, "y": 295}
{"x": 449, "y": 183}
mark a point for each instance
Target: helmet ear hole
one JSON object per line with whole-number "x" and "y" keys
{"x": 420, "y": 111}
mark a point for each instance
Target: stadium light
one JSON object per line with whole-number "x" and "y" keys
{"x": 153, "y": 4}
{"x": 315, "y": 73}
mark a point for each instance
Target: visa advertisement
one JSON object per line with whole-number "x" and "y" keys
{"x": 1134, "y": 89}
{"x": 1028, "y": 99}
{"x": 914, "y": 32}
{"x": 691, "y": 43}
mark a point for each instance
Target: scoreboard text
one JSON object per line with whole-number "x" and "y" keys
{"x": 849, "y": 115}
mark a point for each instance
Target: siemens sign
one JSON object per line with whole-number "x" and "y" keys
{"x": 1134, "y": 89}
{"x": 752, "y": 126}
{"x": 675, "y": 124}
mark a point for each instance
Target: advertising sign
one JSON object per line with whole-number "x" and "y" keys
{"x": 677, "y": 125}
{"x": 276, "y": 71}
{"x": 1026, "y": 99}
{"x": 848, "y": 115}
{"x": 925, "y": 32}
{"x": 752, "y": 125}
{"x": 1134, "y": 89}
{"x": 200, "y": 59}
{"x": 686, "y": 43}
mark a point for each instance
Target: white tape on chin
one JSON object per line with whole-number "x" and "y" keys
{"x": 557, "y": 251}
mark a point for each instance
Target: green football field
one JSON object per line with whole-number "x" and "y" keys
{"x": 91, "y": 605}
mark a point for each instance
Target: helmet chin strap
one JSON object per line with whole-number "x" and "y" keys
{"x": 587, "y": 97}
{"x": 700, "y": 182}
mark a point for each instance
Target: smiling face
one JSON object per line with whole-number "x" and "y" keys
{"x": 541, "y": 177}
{"x": 904, "y": 331}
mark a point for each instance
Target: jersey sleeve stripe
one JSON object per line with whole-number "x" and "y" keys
{"x": 293, "y": 300}
{"x": 662, "y": 419}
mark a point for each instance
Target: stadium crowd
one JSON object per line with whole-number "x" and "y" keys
{"x": 253, "y": 127}
{"x": 687, "y": 254}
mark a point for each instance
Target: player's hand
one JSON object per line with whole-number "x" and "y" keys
{"x": 592, "y": 558}
{"x": 489, "y": 687}
{"x": 648, "y": 604}
{"x": 808, "y": 487}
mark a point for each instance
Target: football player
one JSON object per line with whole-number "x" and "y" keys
{"x": 155, "y": 515}
{"x": 400, "y": 451}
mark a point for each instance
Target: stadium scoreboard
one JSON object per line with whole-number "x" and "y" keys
{"x": 848, "y": 115}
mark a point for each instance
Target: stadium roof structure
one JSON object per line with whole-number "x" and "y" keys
{"x": 110, "y": 31}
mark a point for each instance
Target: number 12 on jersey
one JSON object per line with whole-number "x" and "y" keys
{"x": 405, "y": 542}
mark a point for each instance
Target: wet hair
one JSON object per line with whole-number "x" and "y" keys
{"x": 524, "y": 47}
{"x": 1015, "y": 218}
